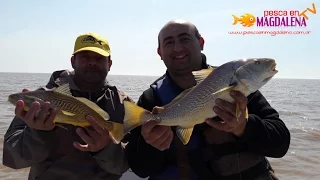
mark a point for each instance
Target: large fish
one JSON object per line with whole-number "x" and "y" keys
{"x": 193, "y": 106}
{"x": 71, "y": 110}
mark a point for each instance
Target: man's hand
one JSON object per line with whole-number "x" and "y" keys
{"x": 159, "y": 137}
{"x": 96, "y": 137}
{"x": 44, "y": 119}
{"x": 227, "y": 112}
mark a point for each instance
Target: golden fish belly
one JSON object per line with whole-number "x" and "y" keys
{"x": 76, "y": 120}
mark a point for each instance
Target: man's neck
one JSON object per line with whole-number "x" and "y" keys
{"x": 185, "y": 81}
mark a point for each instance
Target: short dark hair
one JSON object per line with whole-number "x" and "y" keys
{"x": 196, "y": 31}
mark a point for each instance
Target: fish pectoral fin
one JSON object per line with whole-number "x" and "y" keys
{"x": 134, "y": 116}
{"x": 200, "y": 75}
{"x": 63, "y": 89}
{"x": 184, "y": 134}
{"x": 177, "y": 98}
{"x": 94, "y": 107}
{"x": 223, "y": 89}
{"x": 67, "y": 113}
{"x": 247, "y": 113}
{"x": 25, "y": 108}
{"x": 238, "y": 112}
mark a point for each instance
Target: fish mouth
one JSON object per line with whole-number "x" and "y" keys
{"x": 273, "y": 71}
{"x": 273, "y": 67}
{"x": 11, "y": 101}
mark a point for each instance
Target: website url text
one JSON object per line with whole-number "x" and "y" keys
{"x": 272, "y": 33}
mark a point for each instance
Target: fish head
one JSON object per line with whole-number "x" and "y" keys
{"x": 256, "y": 72}
{"x": 251, "y": 18}
{"x": 248, "y": 19}
{"x": 27, "y": 97}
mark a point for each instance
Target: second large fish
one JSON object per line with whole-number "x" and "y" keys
{"x": 193, "y": 106}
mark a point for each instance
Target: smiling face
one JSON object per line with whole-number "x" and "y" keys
{"x": 180, "y": 48}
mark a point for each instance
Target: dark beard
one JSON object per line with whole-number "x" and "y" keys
{"x": 93, "y": 76}
{"x": 90, "y": 81}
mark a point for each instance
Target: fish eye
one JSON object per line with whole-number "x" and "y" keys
{"x": 251, "y": 19}
{"x": 257, "y": 62}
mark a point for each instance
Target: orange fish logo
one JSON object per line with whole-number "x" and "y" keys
{"x": 247, "y": 20}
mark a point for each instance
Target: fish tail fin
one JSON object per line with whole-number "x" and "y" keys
{"x": 134, "y": 116}
{"x": 238, "y": 112}
{"x": 235, "y": 19}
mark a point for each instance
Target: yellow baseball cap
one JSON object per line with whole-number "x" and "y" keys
{"x": 92, "y": 42}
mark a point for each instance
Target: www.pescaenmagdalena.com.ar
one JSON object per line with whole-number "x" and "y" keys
{"x": 269, "y": 32}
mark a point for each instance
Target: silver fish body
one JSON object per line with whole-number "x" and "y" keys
{"x": 195, "y": 105}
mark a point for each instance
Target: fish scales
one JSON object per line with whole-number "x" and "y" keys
{"x": 199, "y": 102}
{"x": 68, "y": 104}
{"x": 64, "y": 102}
{"x": 72, "y": 105}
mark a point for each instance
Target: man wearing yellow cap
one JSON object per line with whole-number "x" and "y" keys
{"x": 33, "y": 141}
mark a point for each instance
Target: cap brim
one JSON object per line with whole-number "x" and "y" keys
{"x": 93, "y": 49}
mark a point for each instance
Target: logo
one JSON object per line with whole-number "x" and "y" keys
{"x": 275, "y": 18}
{"x": 91, "y": 39}
{"x": 246, "y": 20}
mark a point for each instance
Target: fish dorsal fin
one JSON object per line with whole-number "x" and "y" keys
{"x": 184, "y": 134}
{"x": 63, "y": 89}
{"x": 94, "y": 107}
{"x": 176, "y": 99}
{"x": 200, "y": 75}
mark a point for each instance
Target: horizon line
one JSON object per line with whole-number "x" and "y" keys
{"x": 112, "y": 74}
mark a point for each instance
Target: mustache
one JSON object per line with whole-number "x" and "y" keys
{"x": 92, "y": 69}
